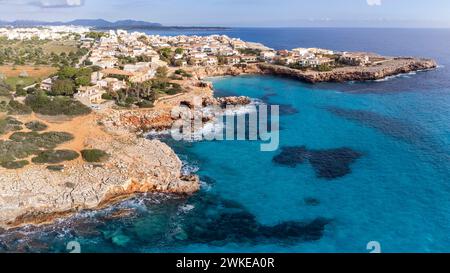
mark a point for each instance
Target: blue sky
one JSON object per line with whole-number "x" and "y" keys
{"x": 276, "y": 13}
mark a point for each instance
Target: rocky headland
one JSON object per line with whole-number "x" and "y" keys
{"x": 37, "y": 195}
{"x": 391, "y": 67}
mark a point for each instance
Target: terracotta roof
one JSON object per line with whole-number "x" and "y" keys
{"x": 115, "y": 71}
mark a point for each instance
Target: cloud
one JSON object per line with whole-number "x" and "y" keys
{"x": 58, "y": 3}
{"x": 374, "y": 2}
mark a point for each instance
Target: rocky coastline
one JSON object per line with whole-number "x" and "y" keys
{"x": 138, "y": 165}
{"x": 391, "y": 67}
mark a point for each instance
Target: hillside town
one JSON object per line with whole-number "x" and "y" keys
{"x": 42, "y": 33}
{"x": 126, "y": 58}
{"x": 118, "y": 58}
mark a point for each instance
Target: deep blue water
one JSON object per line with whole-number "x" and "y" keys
{"x": 361, "y": 162}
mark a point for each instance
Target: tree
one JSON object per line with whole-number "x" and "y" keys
{"x": 20, "y": 92}
{"x": 96, "y": 68}
{"x": 83, "y": 81}
{"x": 63, "y": 88}
{"x": 67, "y": 73}
{"x": 95, "y": 35}
{"x": 162, "y": 72}
{"x": 165, "y": 53}
{"x": 179, "y": 51}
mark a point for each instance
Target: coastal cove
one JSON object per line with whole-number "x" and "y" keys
{"x": 358, "y": 162}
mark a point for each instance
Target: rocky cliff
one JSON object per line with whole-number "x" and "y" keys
{"x": 352, "y": 73}
{"x": 37, "y": 195}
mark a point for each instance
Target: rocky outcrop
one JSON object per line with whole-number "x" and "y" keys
{"x": 36, "y": 195}
{"x": 139, "y": 121}
{"x": 158, "y": 120}
{"x": 391, "y": 67}
{"x": 224, "y": 101}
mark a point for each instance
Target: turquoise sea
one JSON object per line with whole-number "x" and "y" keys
{"x": 358, "y": 162}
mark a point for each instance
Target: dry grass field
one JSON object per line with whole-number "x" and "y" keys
{"x": 31, "y": 71}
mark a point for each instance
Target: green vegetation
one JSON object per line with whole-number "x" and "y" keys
{"x": 166, "y": 54}
{"x": 96, "y": 35}
{"x": 14, "y": 164}
{"x": 63, "y": 88}
{"x": 69, "y": 78}
{"x": 107, "y": 96}
{"x": 144, "y": 94}
{"x": 249, "y": 51}
{"x": 94, "y": 155}
{"x": 17, "y": 108}
{"x": 324, "y": 68}
{"x": 183, "y": 73}
{"x": 38, "y": 52}
{"x": 36, "y": 126}
{"x": 133, "y": 60}
{"x": 55, "y": 157}
{"x": 20, "y": 92}
{"x": 9, "y": 124}
{"x": 22, "y": 145}
{"x": 16, "y": 82}
{"x": 5, "y": 89}
{"x": 48, "y": 140}
{"x": 161, "y": 72}
{"x": 298, "y": 67}
{"x": 47, "y": 105}
{"x": 56, "y": 168}
{"x": 179, "y": 51}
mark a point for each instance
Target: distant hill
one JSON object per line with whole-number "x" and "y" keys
{"x": 96, "y": 23}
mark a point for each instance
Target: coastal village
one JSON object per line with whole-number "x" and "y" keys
{"x": 135, "y": 57}
{"x": 122, "y": 58}
{"x": 75, "y": 103}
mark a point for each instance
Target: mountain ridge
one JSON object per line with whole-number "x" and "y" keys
{"x": 98, "y": 24}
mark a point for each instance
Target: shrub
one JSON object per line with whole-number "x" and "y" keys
{"x": 324, "y": 68}
{"x": 36, "y": 126}
{"x": 55, "y": 168}
{"x": 94, "y": 155}
{"x": 161, "y": 72}
{"x": 63, "y": 87}
{"x": 145, "y": 104}
{"x": 107, "y": 96}
{"x": 48, "y": 140}
{"x": 14, "y": 164}
{"x": 20, "y": 92}
{"x": 17, "y": 108}
{"x": 55, "y": 157}
{"x": 11, "y": 150}
{"x": 9, "y": 124}
{"x": 183, "y": 73}
{"x": 53, "y": 106}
